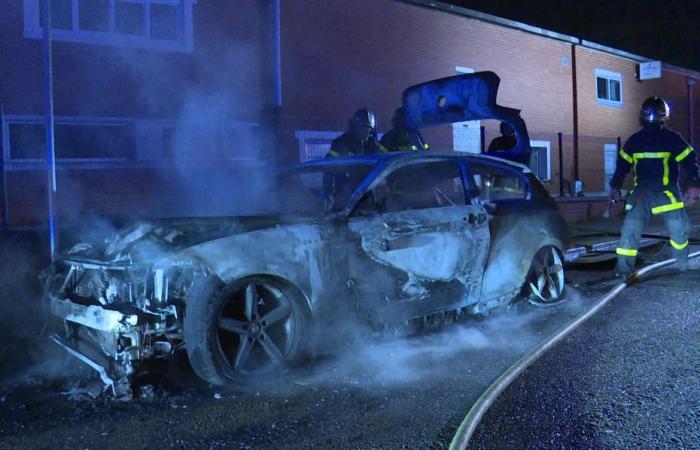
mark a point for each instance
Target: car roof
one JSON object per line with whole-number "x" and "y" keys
{"x": 393, "y": 157}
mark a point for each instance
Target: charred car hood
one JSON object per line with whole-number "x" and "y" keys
{"x": 148, "y": 240}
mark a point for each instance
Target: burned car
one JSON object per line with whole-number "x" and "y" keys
{"x": 388, "y": 241}
{"x": 407, "y": 237}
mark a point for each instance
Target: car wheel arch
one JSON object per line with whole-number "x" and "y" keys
{"x": 505, "y": 275}
{"x": 204, "y": 304}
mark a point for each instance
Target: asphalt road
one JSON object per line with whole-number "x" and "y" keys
{"x": 629, "y": 378}
{"x": 399, "y": 393}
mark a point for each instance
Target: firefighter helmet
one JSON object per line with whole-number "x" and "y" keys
{"x": 654, "y": 110}
{"x": 363, "y": 118}
{"x": 398, "y": 120}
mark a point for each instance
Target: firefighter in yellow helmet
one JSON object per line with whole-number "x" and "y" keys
{"x": 359, "y": 139}
{"x": 400, "y": 138}
{"x": 658, "y": 155}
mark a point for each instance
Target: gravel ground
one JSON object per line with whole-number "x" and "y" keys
{"x": 629, "y": 378}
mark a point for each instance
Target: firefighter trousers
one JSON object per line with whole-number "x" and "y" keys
{"x": 642, "y": 204}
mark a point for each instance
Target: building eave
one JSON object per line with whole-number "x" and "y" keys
{"x": 513, "y": 24}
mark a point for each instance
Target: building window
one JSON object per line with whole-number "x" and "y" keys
{"x": 111, "y": 142}
{"x": 72, "y": 141}
{"x": 314, "y": 144}
{"x": 540, "y": 162}
{"x": 608, "y": 87}
{"x": 154, "y": 24}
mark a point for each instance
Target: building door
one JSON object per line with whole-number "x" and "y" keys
{"x": 610, "y": 158}
{"x": 466, "y": 136}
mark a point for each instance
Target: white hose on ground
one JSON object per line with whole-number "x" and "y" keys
{"x": 477, "y": 411}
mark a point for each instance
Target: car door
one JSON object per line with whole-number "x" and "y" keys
{"x": 424, "y": 233}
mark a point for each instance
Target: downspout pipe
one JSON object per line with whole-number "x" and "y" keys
{"x": 277, "y": 13}
{"x": 275, "y": 153}
{"x": 574, "y": 90}
{"x": 691, "y": 111}
{"x": 4, "y": 223}
{"x": 49, "y": 122}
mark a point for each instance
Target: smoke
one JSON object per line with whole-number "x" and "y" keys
{"x": 26, "y": 355}
{"x": 475, "y": 348}
{"x": 215, "y": 149}
{"x": 405, "y": 361}
{"x": 218, "y": 163}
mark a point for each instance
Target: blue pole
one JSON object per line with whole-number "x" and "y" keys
{"x": 48, "y": 115}
{"x": 278, "y": 53}
{"x": 4, "y": 224}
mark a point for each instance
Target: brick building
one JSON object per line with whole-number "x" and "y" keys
{"x": 152, "y": 96}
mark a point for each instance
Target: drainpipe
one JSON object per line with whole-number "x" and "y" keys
{"x": 691, "y": 111}
{"x": 278, "y": 52}
{"x": 277, "y": 63}
{"x": 3, "y": 175}
{"x": 48, "y": 116}
{"x": 574, "y": 87}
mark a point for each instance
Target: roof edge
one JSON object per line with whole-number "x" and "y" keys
{"x": 471, "y": 13}
{"x": 477, "y": 15}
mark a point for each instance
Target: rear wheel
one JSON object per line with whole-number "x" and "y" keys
{"x": 245, "y": 331}
{"x": 545, "y": 280}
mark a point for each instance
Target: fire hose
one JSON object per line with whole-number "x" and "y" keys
{"x": 477, "y": 411}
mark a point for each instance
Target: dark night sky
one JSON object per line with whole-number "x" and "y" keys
{"x": 665, "y": 30}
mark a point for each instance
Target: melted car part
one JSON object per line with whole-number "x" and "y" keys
{"x": 126, "y": 312}
{"x": 106, "y": 379}
{"x": 461, "y": 98}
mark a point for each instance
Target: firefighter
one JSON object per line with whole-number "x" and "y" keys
{"x": 400, "y": 138}
{"x": 505, "y": 141}
{"x": 656, "y": 153}
{"x": 360, "y": 139}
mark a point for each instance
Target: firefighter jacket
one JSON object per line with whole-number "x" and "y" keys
{"x": 656, "y": 153}
{"x": 400, "y": 141}
{"x": 347, "y": 145}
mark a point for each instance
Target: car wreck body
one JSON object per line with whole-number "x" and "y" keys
{"x": 368, "y": 260}
{"x": 397, "y": 241}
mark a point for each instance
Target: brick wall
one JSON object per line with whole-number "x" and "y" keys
{"x": 232, "y": 48}
{"x": 339, "y": 56}
{"x": 600, "y": 124}
{"x": 230, "y": 66}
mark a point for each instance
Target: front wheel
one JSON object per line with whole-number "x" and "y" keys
{"x": 544, "y": 285}
{"x": 250, "y": 329}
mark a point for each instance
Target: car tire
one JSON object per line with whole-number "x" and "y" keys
{"x": 246, "y": 331}
{"x": 544, "y": 285}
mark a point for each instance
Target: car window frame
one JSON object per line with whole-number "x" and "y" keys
{"x": 476, "y": 190}
{"x": 400, "y": 163}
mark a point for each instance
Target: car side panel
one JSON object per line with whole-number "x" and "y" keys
{"x": 300, "y": 254}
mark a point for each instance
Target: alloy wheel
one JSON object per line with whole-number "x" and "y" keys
{"x": 546, "y": 277}
{"x": 256, "y": 327}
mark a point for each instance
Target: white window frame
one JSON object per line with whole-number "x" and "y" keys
{"x": 548, "y": 146}
{"x": 609, "y": 75}
{"x": 303, "y": 135}
{"x": 184, "y": 42}
{"x": 147, "y": 136}
{"x": 148, "y": 140}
